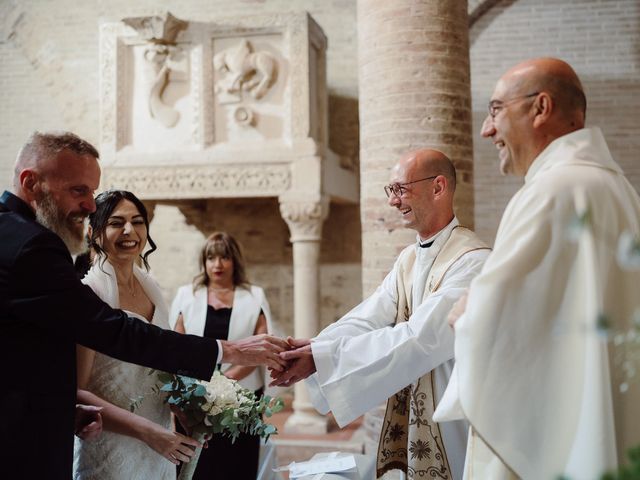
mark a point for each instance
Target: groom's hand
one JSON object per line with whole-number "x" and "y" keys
{"x": 301, "y": 363}
{"x": 88, "y": 422}
{"x": 256, "y": 350}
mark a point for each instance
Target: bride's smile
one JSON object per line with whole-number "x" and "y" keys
{"x": 125, "y": 235}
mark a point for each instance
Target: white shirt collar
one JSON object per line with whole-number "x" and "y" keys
{"x": 445, "y": 232}
{"x": 586, "y": 146}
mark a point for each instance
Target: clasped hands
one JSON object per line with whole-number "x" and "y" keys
{"x": 300, "y": 363}
{"x": 289, "y": 361}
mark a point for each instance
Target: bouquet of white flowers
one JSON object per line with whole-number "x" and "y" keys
{"x": 220, "y": 405}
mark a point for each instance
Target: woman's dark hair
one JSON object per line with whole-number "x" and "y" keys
{"x": 224, "y": 245}
{"x": 106, "y": 203}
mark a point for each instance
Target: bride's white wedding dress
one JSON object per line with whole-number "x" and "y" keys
{"x": 113, "y": 456}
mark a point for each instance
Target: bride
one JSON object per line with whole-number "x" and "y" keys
{"x": 133, "y": 446}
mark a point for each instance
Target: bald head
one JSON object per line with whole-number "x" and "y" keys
{"x": 559, "y": 80}
{"x": 421, "y": 189}
{"x": 533, "y": 104}
{"x": 427, "y": 162}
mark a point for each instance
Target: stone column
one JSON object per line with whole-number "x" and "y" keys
{"x": 305, "y": 218}
{"x": 414, "y": 92}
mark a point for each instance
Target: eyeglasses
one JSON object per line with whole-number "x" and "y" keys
{"x": 495, "y": 106}
{"x": 398, "y": 189}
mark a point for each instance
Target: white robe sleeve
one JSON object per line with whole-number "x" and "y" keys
{"x": 377, "y": 311}
{"x": 364, "y": 366}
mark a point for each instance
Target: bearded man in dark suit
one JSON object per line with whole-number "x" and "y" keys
{"x": 45, "y": 311}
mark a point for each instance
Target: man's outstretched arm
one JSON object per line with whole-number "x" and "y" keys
{"x": 77, "y": 314}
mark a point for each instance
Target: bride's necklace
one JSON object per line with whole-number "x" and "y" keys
{"x": 220, "y": 297}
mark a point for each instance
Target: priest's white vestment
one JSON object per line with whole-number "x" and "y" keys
{"x": 535, "y": 373}
{"x": 363, "y": 359}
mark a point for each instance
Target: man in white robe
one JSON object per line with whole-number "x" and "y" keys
{"x": 363, "y": 359}
{"x": 535, "y": 374}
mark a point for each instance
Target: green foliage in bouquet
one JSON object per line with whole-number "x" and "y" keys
{"x": 219, "y": 406}
{"x": 627, "y": 472}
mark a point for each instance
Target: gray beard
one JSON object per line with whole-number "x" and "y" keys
{"x": 48, "y": 215}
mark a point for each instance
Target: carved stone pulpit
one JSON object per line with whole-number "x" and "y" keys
{"x": 236, "y": 107}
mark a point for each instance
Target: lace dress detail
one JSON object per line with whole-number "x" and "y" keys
{"x": 118, "y": 457}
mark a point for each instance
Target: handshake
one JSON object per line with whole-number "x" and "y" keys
{"x": 289, "y": 361}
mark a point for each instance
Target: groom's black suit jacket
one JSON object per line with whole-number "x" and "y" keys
{"x": 44, "y": 312}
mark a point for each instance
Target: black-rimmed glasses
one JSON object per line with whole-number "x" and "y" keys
{"x": 398, "y": 189}
{"x": 495, "y": 106}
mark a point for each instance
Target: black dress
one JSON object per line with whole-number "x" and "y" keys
{"x": 224, "y": 460}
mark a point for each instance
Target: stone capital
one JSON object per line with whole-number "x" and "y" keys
{"x": 157, "y": 29}
{"x": 305, "y": 217}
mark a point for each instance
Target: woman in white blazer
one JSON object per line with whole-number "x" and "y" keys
{"x": 222, "y": 304}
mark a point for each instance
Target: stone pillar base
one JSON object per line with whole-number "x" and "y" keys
{"x": 306, "y": 422}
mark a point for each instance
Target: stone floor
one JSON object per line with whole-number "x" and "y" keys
{"x": 300, "y": 447}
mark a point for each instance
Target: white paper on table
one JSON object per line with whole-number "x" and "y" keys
{"x": 330, "y": 464}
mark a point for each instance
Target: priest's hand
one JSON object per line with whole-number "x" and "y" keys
{"x": 301, "y": 363}
{"x": 256, "y": 350}
{"x": 457, "y": 310}
{"x": 88, "y": 422}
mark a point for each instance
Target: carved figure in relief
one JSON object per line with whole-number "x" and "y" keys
{"x": 165, "y": 57}
{"x": 166, "y": 60}
{"x": 246, "y": 70}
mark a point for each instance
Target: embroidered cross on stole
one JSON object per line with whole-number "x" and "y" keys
{"x": 410, "y": 440}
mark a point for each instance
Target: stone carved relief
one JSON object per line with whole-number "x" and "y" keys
{"x": 293, "y": 41}
{"x": 200, "y": 181}
{"x": 112, "y": 91}
{"x": 168, "y": 61}
{"x": 108, "y": 84}
{"x": 245, "y": 70}
{"x": 243, "y": 116}
{"x": 304, "y": 218}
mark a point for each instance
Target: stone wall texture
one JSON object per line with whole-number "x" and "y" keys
{"x": 49, "y": 80}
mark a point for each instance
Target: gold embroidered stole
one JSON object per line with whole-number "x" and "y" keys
{"x": 410, "y": 440}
